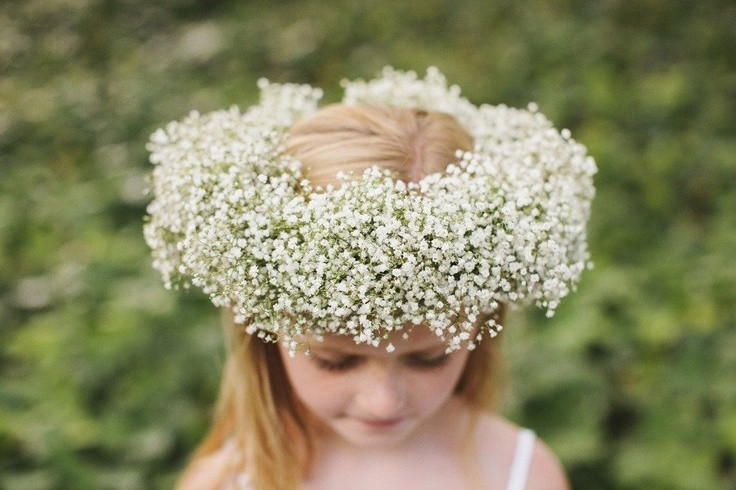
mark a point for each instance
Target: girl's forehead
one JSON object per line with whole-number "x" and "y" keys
{"x": 419, "y": 339}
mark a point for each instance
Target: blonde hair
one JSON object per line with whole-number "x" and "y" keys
{"x": 257, "y": 408}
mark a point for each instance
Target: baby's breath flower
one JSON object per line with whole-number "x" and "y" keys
{"x": 234, "y": 216}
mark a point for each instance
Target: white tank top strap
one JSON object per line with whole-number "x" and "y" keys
{"x": 522, "y": 460}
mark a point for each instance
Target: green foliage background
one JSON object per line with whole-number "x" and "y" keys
{"x": 107, "y": 379}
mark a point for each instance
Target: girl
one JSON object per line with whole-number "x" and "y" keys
{"x": 360, "y": 274}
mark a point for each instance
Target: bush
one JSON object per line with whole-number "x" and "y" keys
{"x": 107, "y": 379}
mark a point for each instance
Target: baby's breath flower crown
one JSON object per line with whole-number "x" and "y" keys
{"x": 233, "y": 216}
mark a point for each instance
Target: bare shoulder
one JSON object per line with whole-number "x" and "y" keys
{"x": 545, "y": 471}
{"x": 214, "y": 470}
{"x": 496, "y": 440}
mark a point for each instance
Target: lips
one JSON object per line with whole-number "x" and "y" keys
{"x": 380, "y": 424}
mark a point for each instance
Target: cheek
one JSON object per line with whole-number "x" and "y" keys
{"x": 318, "y": 392}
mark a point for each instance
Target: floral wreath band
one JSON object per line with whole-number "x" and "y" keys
{"x": 504, "y": 224}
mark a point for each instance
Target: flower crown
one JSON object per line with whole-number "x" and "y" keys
{"x": 505, "y": 224}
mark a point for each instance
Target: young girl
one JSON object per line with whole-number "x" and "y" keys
{"x": 365, "y": 254}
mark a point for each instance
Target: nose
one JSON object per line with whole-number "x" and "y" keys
{"x": 382, "y": 394}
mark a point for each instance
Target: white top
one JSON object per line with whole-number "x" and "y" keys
{"x": 519, "y": 466}
{"x": 522, "y": 460}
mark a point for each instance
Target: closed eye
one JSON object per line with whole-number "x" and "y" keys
{"x": 424, "y": 362}
{"x": 339, "y": 364}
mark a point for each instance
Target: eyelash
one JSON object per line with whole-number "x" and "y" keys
{"x": 430, "y": 362}
{"x": 342, "y": 364}
{"x": 349, "y": 362}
